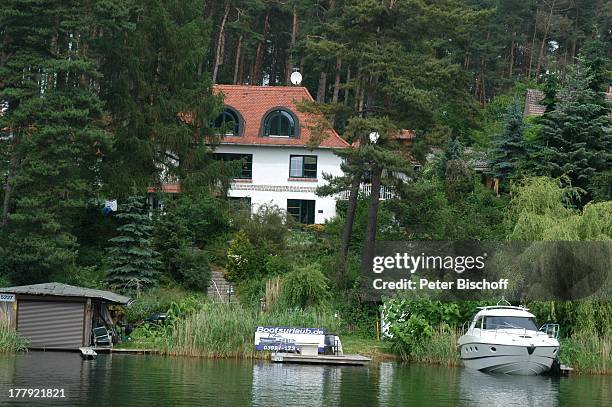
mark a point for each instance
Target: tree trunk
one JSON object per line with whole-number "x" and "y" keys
{"x": 348, "y": 82}
{"x": 357, "y": 89}
{"x": 237, "y": 63}
{"x": 322, "y": 86}
{"x": 8, "y": 190}
{"x": 347, "y": 230}
{"x": 220, "y": 42}
{"x": 372, "y": 225}
{"x": 362, "y": 97}
{"x": 511, "y": 62}
{"x": 258, "y": 66}
{"x": 294, "y": 31}
{"x": 337, "y": 80}
{"x": 241, "y": 70}
{"x": 535, "y": 30}
{"x": 546, "y": 30}
{"x": 373, "y": 84}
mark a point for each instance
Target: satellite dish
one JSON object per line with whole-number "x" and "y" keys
{"x": 374, "y": 136}
{"x": 296, "y": 78}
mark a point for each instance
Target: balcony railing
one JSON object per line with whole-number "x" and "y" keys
{"x": 366, "y": 190}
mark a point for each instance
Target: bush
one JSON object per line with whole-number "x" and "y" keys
{"x": 305, "y": 287}
{"x": 205, "y": 216}
{"x": 276, "y": 264}
{"x": 267, "y": 227}
{"x": 250, "y": 292}
{"x": 157, "y": 300}
{"x": 244, "y": 261}
{"x": 194, "y": 268}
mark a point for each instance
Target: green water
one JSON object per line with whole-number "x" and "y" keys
{"x": 122, "y": 380}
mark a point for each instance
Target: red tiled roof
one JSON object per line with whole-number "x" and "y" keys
{"x": 405, "y": 134}
{"x": 253, "y": 102}
{"x": 534, "y": 108}
{"x": 532, "y": 103}
{"x": 404, "y": 137}
{"x": 166, "y": 188}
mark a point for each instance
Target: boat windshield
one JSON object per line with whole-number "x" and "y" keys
{"x": 510, "y": 322}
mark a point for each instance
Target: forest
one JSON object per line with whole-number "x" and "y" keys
{"x": 93, "y": 96}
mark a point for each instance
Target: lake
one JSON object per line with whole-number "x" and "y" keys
{"x": 131, "y": 380}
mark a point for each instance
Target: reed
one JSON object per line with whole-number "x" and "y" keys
{"x": 587, "y": 353}
{"x": 440, "y": 348}
{"x": 10, "y": 340}
{"x": 227, "y": 331}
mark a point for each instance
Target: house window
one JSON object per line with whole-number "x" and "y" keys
{"x": 228, "y": 123}
{"x": 279, "y": 123}
{"x": 246, "y": 171}
{"x": 303, "y": 166}
{"x": 302, "y": 210}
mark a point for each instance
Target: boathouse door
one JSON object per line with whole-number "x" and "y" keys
{"x": 51, "y": 324}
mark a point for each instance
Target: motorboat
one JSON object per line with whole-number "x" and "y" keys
{"x": 506, "y": 339}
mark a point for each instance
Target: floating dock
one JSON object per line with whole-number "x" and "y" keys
{"x": 558, "y": 370}
{"x": 87, "y": 353}
{"x": 355, "y": 360}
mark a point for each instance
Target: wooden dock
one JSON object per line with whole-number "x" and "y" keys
{"x": 355, "y": 360}
{"x": 127, "y": 351}
{"x": 559, "y": 370}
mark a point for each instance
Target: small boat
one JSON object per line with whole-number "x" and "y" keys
{"x": 88, "y": 353}
{"x": 505, "y": 339}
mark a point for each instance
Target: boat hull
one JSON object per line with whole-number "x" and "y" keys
{"x": 508, "y": 359}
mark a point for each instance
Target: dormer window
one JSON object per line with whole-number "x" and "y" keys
{"x": 280, "y": 123}
{"x": 228, "y": 122}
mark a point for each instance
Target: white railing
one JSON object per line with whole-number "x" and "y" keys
{"x": 366, "y": 190}
{"x": 217, "y": 289}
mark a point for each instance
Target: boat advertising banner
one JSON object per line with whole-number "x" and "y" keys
{"x": 287, "y": 339}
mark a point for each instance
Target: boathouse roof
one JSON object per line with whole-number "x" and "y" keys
{"x": 65, "y": 290}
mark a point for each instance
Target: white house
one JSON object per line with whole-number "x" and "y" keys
{"x": 267, "y": 131}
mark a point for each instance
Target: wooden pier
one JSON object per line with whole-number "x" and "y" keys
{"x": 127, "y": 351}
{"x": 559, "y": 370}
{"x": 355, "y": 360}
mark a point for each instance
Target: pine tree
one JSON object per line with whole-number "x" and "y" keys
{"x": 132, "y": 260}
{"x": 152, "y": 75}
{"x": 508, "y": 148}
{"x": 576, "y": 136}
{"x": 53, "y": 133}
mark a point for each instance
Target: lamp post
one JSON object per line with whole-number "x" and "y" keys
{"x": 230, "y": 291}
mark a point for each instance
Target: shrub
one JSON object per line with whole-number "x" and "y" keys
{"x": 267, "y": 227}
{"x": 157, "y": 300}
{"x": 276, "y": 265}
{"x": 305, "y": 287}
{"x": 205, "y": 216}
{"x": 194, "y": 268}
{"x": 250, "y": 292}
{"x": 244, "y": 261}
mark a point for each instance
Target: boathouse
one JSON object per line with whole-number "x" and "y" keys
{"x": 55, "y": 315}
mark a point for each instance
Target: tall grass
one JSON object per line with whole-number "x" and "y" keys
{"x": 227, "y": 331}
{"x": 10, "y": 340}
{"x": 587, "y": 353}
{"x": 440, "y": 348}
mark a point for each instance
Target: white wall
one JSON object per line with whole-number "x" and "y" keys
{"x": 271, "y": 184}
